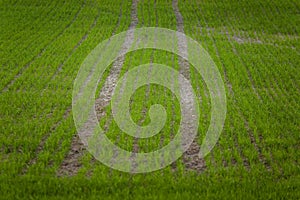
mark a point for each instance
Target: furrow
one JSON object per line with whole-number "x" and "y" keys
{"x": 191, "y": 157}
{"x": 105, "y": 95}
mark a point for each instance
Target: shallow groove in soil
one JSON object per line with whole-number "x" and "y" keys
{"x": 191, "y": 158}
{"x": 71, "y": 163}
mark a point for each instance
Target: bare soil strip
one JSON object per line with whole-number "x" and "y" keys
{"x": 103, "y": 100}
{"x": 24, "y": 68}
{"x": 110, "y": 83}
{"x": 255, "y": 40}
{"x": 71, "y": 163}
{"x": 190, "y": 157}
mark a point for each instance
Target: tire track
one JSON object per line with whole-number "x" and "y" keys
{"x": 24, "y": 68}
{"x": 110, "y": 83}
{"x": 210, "y": 32}
{"x": 205, "y": 31}
{"x": 173, "y": 166}
{"x": 274, "y": 83}
{"x": 275, "y": 87}
{"x": 250, "y": 134}
{"x": 71, "y": 163}
{"x": 190, "y": 158}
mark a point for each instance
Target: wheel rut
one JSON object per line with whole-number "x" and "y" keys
{"x": 191, "y": 158}
{"x": 71, "y": 164}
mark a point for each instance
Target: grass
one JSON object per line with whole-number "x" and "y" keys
{"x": 255, "y": 45}
{"x": 216, "y": 186}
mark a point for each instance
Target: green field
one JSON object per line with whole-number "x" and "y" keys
{"x": 256, "y": 47}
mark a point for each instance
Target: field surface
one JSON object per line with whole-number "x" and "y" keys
{"x": 254, "y": 44}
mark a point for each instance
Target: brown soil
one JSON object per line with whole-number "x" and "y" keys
{"x": 71, "y": 163}
{"x": 190, "y": 158}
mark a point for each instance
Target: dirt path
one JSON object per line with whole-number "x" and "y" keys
{"x": 71, "y": 163}
{"x": 190, "y": 158}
